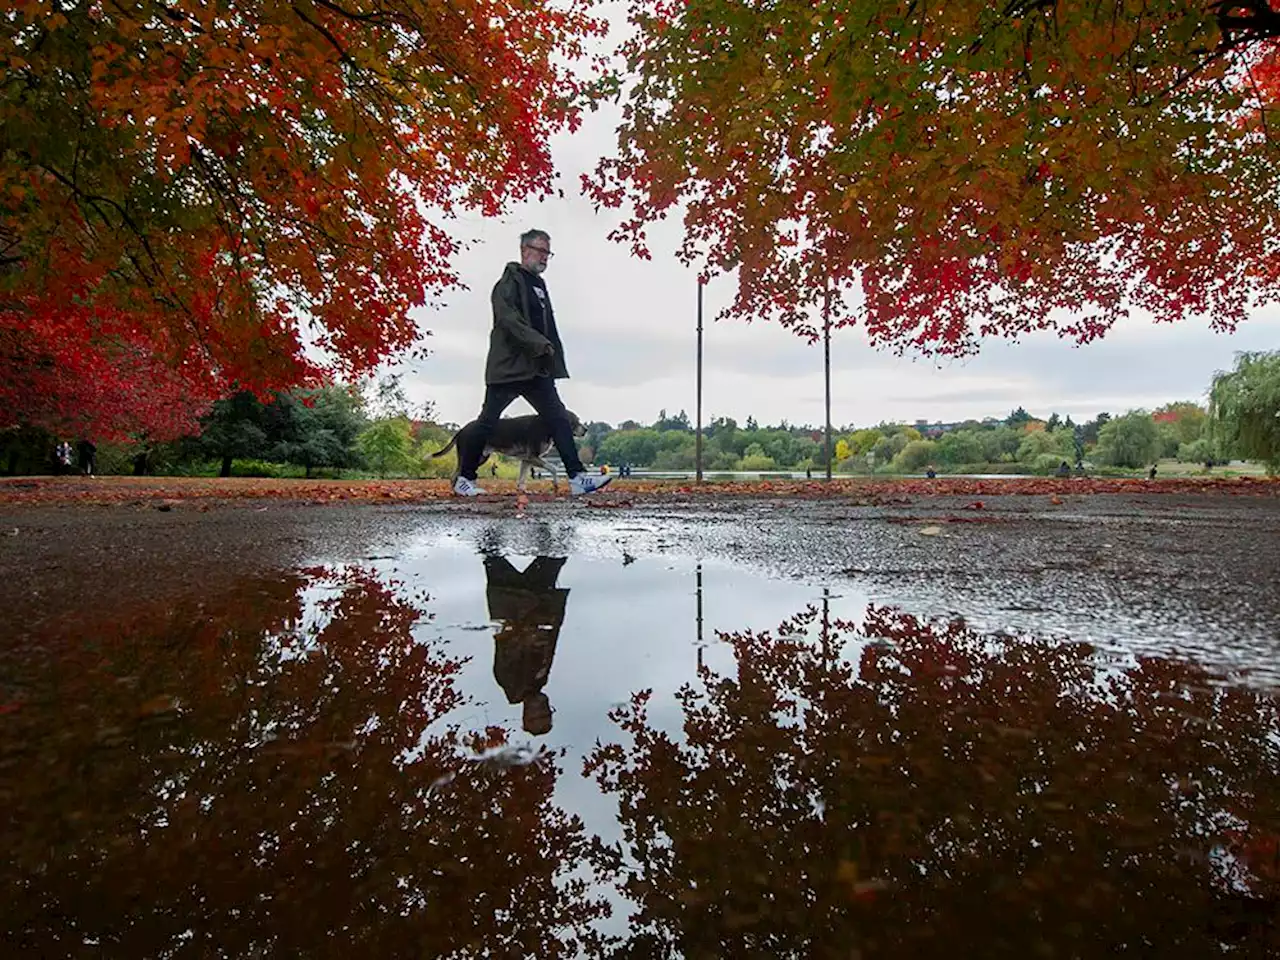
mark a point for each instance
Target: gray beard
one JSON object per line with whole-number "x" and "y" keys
{"x": 538, "y": 268}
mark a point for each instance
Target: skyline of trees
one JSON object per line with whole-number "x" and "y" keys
{"x": 338, "y": 428}
{"x": 372, "y": 426}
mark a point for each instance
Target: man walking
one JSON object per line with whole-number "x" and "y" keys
{"x": 525, "y": 360}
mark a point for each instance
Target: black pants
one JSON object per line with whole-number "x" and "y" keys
{"x": 542, "y": 396}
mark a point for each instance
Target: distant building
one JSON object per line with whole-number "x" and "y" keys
{"x": 936, "y": 429}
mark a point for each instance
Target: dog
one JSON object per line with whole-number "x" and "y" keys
{"x": 527, "y": 439}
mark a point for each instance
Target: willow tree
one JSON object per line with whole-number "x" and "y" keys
{"x": 1244, "y": 408}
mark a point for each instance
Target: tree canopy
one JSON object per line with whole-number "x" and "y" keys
{"x": 312, "y": 428}
{"x": 189, "y": 191}
{"x": 1129, "y": 441}
{"x": 1245, "y": 408}
{"x": 964, "y": 169}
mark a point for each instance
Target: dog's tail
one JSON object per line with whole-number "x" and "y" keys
{"x": 453, "y": 442}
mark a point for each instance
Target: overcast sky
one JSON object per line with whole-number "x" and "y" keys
{"x": 628, "y": 330}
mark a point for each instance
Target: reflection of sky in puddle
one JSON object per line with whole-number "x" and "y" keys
{"x": 627, "y": 627}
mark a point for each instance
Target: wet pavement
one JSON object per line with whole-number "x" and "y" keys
{"x": 754, "y": 729}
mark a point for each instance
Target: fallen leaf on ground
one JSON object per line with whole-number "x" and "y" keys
{"x": 157, "y": 706}
{"x": 877, "y": 493}
{"x": 869, "y": 889}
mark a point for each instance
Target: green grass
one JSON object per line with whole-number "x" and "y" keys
{"x": 1238, "y": 468}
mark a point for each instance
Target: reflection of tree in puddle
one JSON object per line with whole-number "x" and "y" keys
{"x": 249, "y": 777}
{"x": 951, "y": 795}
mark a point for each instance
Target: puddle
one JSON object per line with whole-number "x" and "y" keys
{"x": 451, "y": 749}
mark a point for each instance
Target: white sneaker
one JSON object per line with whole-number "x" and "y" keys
{"x": 466, "y": 488}
{"x": 583, "y": 483}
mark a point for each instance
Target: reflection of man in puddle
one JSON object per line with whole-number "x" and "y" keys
{"x": 531, "y": 609}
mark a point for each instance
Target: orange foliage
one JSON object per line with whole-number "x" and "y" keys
{"x": 191, "y": 190}
{"x": 962, "y": 170}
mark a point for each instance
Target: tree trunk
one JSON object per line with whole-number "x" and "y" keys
{"x": 226, "y": 467}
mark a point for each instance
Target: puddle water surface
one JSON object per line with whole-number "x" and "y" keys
{"x": 461, "y": 751}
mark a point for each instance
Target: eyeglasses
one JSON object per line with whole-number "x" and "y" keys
{"x": 545, "y": 251}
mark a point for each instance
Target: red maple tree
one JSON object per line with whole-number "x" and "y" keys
{"x": 191, "y": 191}
{"x": 962, "y": 170}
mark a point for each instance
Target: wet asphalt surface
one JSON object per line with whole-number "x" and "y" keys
{"x": 1191, "y": 574}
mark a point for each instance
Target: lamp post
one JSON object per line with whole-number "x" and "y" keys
{"x": 697, "y": 441}
{"x": 699, "y": 614}
{"x": 826, "y": 370}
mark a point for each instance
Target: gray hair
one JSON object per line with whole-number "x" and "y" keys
{"x": 529, "y": 236}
